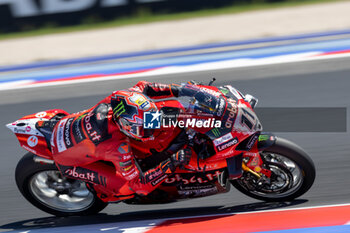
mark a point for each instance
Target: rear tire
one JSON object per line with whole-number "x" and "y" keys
{"x": 29, "y": 173}
{"x": 295, "y": 154}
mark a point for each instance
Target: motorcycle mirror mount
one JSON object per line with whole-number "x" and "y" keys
{"x": 211, "y": 82}
{"x": 251, "y": 100}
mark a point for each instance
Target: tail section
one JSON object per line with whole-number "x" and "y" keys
{"x": 34, "y": 131}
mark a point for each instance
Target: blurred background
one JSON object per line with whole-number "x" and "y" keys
{"x": 42, "y": 30}
{"x": 29, "y": 15}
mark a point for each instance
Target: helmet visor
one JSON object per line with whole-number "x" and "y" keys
{"x": 135, "y": 129}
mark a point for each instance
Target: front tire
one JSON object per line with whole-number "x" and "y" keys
{"x": 44, "y": 187}
{"x": 284, "y": 159}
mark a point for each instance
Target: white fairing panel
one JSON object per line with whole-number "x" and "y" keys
{"x": 25, "y": 127}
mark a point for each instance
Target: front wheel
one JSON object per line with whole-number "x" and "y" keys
{"x": 292, "y": 174}
{"x": 44, "y": 187}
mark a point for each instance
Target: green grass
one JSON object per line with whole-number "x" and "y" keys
{"x": 147, "y": 17}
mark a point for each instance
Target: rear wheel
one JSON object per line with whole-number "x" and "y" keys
{"x": 44, "y": 187}
{"x": 292, "y": 174}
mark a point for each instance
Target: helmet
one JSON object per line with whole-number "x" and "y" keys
{"x": 128, "y": 108}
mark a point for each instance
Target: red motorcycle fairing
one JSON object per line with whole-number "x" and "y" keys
{"x": 224, "y": 143}
{"x": 101, "y": 178}
{"x": 28, "y": 135}
{"x": 283, "y": 172}
{"x": 181, "y": 186}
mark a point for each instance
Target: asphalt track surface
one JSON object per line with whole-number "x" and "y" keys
{"x": 324, "y": 83}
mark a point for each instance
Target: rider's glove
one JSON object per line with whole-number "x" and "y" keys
{"x": 181, "y": 158}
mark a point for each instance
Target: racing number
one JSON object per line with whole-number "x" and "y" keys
{"x": 247, "y": 119}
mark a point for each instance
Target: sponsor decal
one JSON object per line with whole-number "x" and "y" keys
{"x": 126, "y": 169}
{"x": 93, "y": 135}
{"x": 210, "y": 91}
{"x": 224, "y": 91}
{"x": 157, "y": 181}
{"x": 26, "y": 127}
{"x": 193, "y": 179}
{"x": 132, "y": 175}
{"x": 223, "y": 139}
{"x": 126, "y": 157}
{"x": 145, "y": 106}
{"x": 252, "y": 142}
{"x": 67, "y": 137}
{"x": 90, "y": 176}
{"x": 221, "y": 107}
{"x": 60, "y": 136}
{"x": 263, "y": 137}
{"x": 196, "y": 187}
{"x": 119, "y": 109}
{"x": 155, "y": 177}
{"x": 124, "y": 148}
{"x": 41, "y": 114}
{"x": 83, "y": 174}
{"x": 155, "y": 174}
{"x": 231, "y": 115}
{"x": 228, "y": 144}
{"x": 254, "y": 161}
{"x": 126, "y": 166}
{"x": 126, "y": 163}
{"x": 19, "y": 130}
{"x": 197, "y": 191}
{"x": 77, "y": 131}
{"x": 216, "y": 132}
{"x": 140, "y": 101}
{"x": 32, "y": 141}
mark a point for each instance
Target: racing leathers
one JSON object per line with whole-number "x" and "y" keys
{"x": 90, "y": 146}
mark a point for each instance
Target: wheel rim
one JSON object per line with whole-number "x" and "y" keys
{"x": 286, "y": 179}
{"x": 60, "y": 193}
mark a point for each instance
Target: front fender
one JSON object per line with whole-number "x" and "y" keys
{"x": 266, "y": 140}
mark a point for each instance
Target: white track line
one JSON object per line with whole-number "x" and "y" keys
{"x": 230, "y": 64}
{"x": 259, "y": 211}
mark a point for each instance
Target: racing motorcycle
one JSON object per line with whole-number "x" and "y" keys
{"x": 228, "y": 148}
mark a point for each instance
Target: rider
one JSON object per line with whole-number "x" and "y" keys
{"x": 81, "y": 141}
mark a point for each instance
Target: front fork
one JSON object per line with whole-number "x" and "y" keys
{"x": 252, "y": 161}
